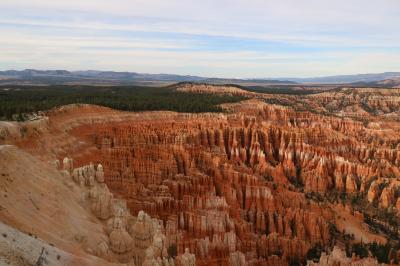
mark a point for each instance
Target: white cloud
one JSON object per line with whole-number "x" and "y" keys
{"x": 341, "y": 36}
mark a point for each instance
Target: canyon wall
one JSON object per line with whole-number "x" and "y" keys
{"x": 259, "y": 185}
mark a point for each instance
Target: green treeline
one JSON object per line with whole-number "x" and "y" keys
{"x": 18, "y": 100}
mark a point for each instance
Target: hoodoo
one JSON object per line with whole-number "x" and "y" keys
{"x": 262, "y": 184}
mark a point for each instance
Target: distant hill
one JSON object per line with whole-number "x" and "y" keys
{"x": 366, "y": 78}
{"x": 94, "y": 77}
{"x": 392, "y": 82}
{"x": 248, "y": 82}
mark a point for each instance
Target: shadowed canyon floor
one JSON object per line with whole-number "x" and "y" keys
{"x": 272, "y": 181}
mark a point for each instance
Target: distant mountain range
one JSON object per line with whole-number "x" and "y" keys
{"x": 88, "y": 77}
{"x": 348, "y": 78}
{"x": 94, "y": 77}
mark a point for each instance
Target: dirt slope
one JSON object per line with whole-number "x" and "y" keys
{"x": 38, "y": 201}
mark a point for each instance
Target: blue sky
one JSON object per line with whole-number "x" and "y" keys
{"x": 220, "y": 38}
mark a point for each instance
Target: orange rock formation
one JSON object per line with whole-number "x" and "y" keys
{"x": 225, "y": 189}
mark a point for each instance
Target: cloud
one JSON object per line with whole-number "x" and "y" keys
{"x": 232, "y": 38}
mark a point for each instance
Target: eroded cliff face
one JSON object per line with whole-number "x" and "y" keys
{"x": 208, "y": 88}
{"x": 132, "y": 240}
{"x": 231, "y": 189}
{"x": 212, "y": 182}
{"x": 338, "y": 257}
{"x": 234, "y": 183}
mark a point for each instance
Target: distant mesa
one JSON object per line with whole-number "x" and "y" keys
{"x": 90, "y": 77}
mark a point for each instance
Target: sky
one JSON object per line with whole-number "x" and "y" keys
{"x": 213, "y": 38}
